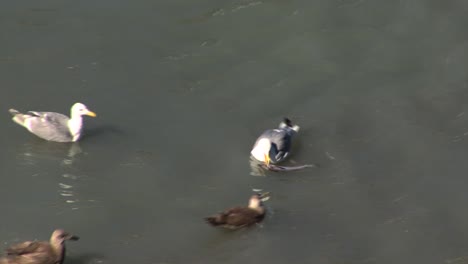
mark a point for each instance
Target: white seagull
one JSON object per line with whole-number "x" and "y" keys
{"x": 54, "y": 126}
{"x": 274, "y": 145}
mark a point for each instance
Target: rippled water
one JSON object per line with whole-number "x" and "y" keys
{"x": 183, "y": 88}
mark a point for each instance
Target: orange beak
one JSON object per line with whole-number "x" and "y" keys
{"x": 267, "y": 159}
{"x": 90, "y": 113}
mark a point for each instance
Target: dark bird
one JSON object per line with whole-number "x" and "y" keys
{"x": 54, "y": 126}
{"x": 39, "y": 252}
{"x": 240, "y": 216}
{"x": 274, "y": 145}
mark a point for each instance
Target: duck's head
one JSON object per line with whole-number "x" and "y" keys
{"x": 59, "y": 236}
{"x": 79, "y": 109}
{"x": 256, "y": 200}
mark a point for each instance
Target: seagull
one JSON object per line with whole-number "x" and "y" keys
{"x": 54, "y": 126}
{"x": 274, "y": 145}
{"x": 240, "y": 216}
{"x": 39, "y": 252}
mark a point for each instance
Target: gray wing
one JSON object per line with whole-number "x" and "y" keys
{"x": 50, "y": 126}
{"x": 281, "y": 139}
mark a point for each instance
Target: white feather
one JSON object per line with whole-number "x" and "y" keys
{"x": 261, "y": 149}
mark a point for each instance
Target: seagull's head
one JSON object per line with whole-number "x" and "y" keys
{"x": 80, "y": 109}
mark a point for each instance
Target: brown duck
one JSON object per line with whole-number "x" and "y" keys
{"x": 240, "y": 216}
{"x": 39, "y": 252}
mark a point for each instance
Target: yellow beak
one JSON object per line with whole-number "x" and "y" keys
{"x": 267, "y": 159}
{"x": 90, "y": 113}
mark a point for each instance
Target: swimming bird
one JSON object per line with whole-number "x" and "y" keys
{"x": 39, "y": 252}
{"x": 274, "y": 145}
{"x": 54, "y": 126}
{"x": 240, "y": 216}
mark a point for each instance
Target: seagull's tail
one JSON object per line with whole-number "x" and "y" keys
{"x": 287, "y": 123}
{"x": 18, "y": 117}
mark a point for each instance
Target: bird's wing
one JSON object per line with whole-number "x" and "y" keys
{"x": 240, "y": 216}
{"x": 281, "y": 140}
{"x": 49, "y": 126}
{"x": 25, "y": 248}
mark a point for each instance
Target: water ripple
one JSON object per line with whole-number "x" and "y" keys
{"x": 71, "y": 194}
{"x": 246, "y": 6}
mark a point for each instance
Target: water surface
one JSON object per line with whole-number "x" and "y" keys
{"x": 182, "y": 89}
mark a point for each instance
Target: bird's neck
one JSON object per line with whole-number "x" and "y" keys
{"x": 254, "y": 205}
{"x": 74, "y": 125}
{"x": 59, "y": 250}
{"x": 62, "y": 255}
{"x": 259, "y": 209}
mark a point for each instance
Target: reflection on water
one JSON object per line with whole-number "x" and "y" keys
{"x": 69, "y": 190}
{"x": 45, "y": 156}
{"x": 72, "y": 152}
{"x": 33, "y": 152}
{"x": 256, "y": 168}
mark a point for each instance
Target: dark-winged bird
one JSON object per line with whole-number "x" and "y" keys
{"x": 240, "y": 216}
{"x": 39, "y": 252}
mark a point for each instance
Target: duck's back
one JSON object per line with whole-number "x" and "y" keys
{"x": 30, "y": 252}
{"x": 236, "y": 217}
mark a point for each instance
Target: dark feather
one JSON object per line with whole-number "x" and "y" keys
{"x": 280, "y": 140}
{"x": 236, "y": 217}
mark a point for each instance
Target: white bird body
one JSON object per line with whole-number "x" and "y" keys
{"x": 54, "y": 126}
{"x": 274, "y": 145}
